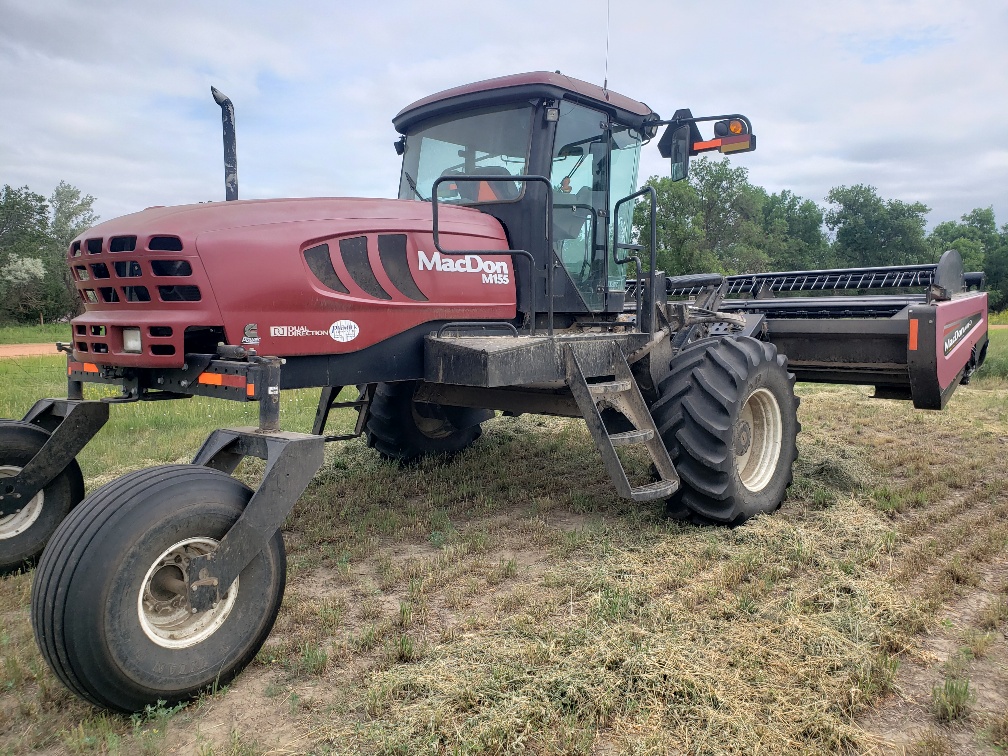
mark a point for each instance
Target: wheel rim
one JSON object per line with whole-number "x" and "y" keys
{"x": 430, "y": 420}
{"x": 163, "y": 606}
{"x": 758, "y": 438}
{"x": 19, "y": 522}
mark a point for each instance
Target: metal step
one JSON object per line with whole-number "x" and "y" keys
{"x": 660, "y": 489}
{"x": 622, "y": 394}
{"x": 609, "y": 388}
{"x": 631, "y": 437}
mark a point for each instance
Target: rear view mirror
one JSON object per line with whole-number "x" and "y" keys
{"x": 679, "y": 152}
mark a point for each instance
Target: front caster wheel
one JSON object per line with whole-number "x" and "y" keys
{"x": 109, "y": 605}
{"x": 24, "y": 534}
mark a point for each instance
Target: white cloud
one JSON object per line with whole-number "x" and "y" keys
{"x": 113, "y": 97}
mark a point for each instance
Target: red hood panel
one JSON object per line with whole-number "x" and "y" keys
{"x": 243, "y": 266}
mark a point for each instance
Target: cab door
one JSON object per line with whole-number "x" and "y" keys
{"x": 580, "y": 179}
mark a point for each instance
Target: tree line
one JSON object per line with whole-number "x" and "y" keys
{"x": 716, "y": 221}
{"x": 35, "y": 232}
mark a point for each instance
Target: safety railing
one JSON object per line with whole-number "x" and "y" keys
{"x": 618, "y": 245}
{"x": 524, "y": 179}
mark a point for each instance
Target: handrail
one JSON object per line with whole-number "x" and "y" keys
{"x": 473, "y": 324}
{"x": 522, "y": 178}
{"x": 654, "y": 253}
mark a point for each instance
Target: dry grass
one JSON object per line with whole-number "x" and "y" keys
{"x": 507, "y": 602}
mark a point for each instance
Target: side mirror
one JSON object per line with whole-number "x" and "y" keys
{"x": 680, "y": 152}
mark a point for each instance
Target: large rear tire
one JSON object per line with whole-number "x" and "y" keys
{"x": 108, "y": 606}
{"x": 25, "y": 533}
{"x": 406, "y": 431}
{"x": 728, "y": 415}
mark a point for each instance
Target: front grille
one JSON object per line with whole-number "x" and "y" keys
{"x": 117, "y": 276}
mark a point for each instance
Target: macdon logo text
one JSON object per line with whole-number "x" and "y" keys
{"x": 492, "y": 272}
{"x": 954, "y": 332}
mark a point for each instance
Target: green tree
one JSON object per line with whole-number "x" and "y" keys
{"x": 711, "y": 223}
{"x": 982, "y": 247}
{"x": 35, "y": 279}
{"x": 794, "y": 233}
{"x": 870, "y": 231}
{"x": 70, "y": 213}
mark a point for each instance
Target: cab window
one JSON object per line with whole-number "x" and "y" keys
{"x": 489, "y": 141}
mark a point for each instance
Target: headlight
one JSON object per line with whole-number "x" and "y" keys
{"x": 131, "y": 340}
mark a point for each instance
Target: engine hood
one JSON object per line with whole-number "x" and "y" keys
{"x": 189, "y": 221}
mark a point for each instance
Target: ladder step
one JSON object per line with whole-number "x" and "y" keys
{"x": 608, "y": 388}
{"x": 631, "y": 437}
{"x": 661, "y": 489}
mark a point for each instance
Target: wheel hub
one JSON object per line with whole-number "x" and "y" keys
{"x": 743, "y": 437}
{"x": 758, "y": 439}
{"x": 163, "y": 605}
{"x": 18, "y": 522}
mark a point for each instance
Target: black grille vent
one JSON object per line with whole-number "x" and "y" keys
{"x": 320, "y": 264}
{"x": 392, "y": 252}
{"x": 355, "y": 257}
{"x": 100, "y": 270}
{"x": 136, "y": 293}
{"x": 109, "y": 294}
{"x": 179, "y": 293}
{"x": 122, "y": 244}
{"x": 165, "y": 244}
{"x": 127, "y": 269}
{"x": 171, "y": 268}
{"x": 94, "y": 246}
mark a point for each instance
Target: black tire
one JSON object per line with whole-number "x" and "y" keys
{"x": 99, "y": 636}
{"x": 728, "y": 415}
{"x": 407, "y": 431}
{"x": 24, "y": 534}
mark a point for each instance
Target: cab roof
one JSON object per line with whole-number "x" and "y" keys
{"x": 534, "y": 85}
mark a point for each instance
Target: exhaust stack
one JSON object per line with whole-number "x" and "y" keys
{"x": 230, "y": 144}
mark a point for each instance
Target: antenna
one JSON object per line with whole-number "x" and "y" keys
{"x": 605, "y": 81}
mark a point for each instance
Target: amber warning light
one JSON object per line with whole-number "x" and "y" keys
{"x": 729, "y": 136}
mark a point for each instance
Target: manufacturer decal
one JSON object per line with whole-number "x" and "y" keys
{"x": 492, "y": 272}
{"x": 958, "y": 329}
{"x": 344, "y": 330}
{"x": 251, "y": 334}
{"x": 285, "y": 331}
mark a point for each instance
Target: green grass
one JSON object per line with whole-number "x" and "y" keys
{"x": 34, "y": 334}
{"x": 509, "y": 602}
{"x": 142, "y": 434}
{"x": 999, "y": 318}
{"x": 996, "y": 364}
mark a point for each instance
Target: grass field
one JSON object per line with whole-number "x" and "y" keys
{"x": 999, "y": 318}
{"x": 508, "y": 602}
{"x": 34, "y": 334}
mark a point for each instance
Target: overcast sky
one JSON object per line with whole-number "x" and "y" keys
{"x": 114, "y": 97}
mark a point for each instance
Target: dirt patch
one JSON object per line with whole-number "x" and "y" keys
{"x": 906, "y": 722}
{"x": 27, "y": 350}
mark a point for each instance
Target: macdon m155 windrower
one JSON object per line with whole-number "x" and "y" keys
{"x": 496, "y": 281}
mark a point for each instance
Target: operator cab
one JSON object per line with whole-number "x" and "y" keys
{"x": 584, "y": 139}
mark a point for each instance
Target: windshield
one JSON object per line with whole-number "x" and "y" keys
{"x": 491, "y": 141}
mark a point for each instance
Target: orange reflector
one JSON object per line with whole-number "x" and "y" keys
{"x": 735, "y": 127}
{"x": 912, "y": 343}
{"x": 250, "y": 389}
{"x": 711, "y": 144}
{"x": 90, "y": 367}
{"x": 222, "y": 379}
